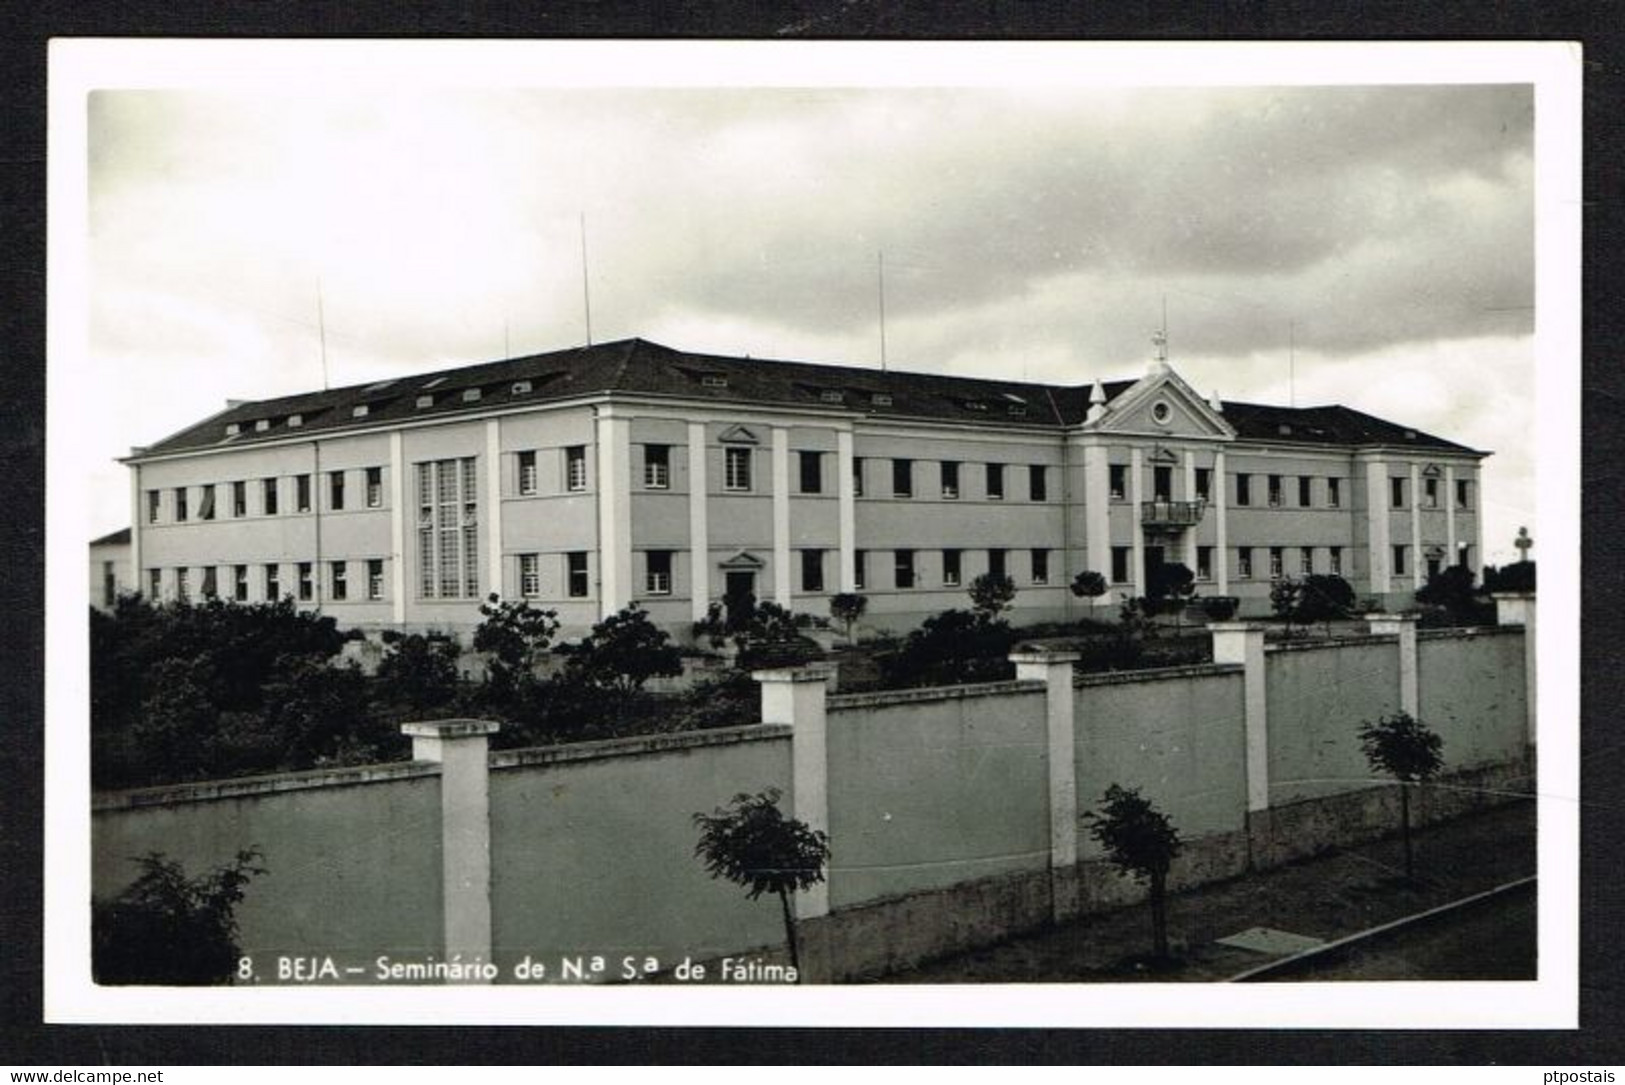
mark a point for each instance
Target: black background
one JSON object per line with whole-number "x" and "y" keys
{"x": 24, "y": 32}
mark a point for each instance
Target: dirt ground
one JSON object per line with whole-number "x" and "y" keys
{"x": 1327, "y": 897}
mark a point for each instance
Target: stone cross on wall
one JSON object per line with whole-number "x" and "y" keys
{"x": 1523, "y": 542}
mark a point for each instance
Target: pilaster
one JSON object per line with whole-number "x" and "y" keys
{"x": 846, "y": 500}
{"x": 1221, "y": 526}
{"x": 781, "y": 516}
{"x": 614, "y": 511}
{"x": 493, "y": 502}
{"x": 1136, "y": 494}
{"x": 397, "y": 527}
{"x": 1418, "y": 566}
{"x": 1377, "y": 526}
{"x": 699, "y": 524}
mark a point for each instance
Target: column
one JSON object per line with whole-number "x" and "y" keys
{"x": 796, "y": 696}
{"x": 1518, "y": 608}
{"x": 493, "y": 499}
{"x": 1404, "y": 627}
{"x": 699, "y": 524}
{"x": 1418, "y": 566}
{"x": 1054, "y": 669}
{"x": 459, "y": 747}
{"x": 614, "y": 511}
{"x": 137, "y": 583}
{"x": 1376, "y": 511}
{"x": 1243, "y": 643}
{"x": 781, "y": 516}
{"x": 1451, "y": 554}
{"x": 846, "y": 499}
{"x": 397, "y": 528}
{"x": 1221, "y": 488}
{"x": 1135, "y": 496}
{"x": 1097, "y": 508}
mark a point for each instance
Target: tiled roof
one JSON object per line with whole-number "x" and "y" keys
{"x": 645, "y": 368}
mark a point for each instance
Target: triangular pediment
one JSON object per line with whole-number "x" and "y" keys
{"x": 738, "y": 435}
{"x": 1161, "y": 404}
{"x": 742, "y": 560}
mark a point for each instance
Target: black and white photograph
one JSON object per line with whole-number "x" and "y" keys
{"x": 813, "y": 533}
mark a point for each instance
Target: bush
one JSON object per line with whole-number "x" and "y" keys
{"x": 420, "y": 670}
{"x": 954, "y": 647}
{"x": 1519, "y": 576}
{"x": 1220, "y": 608}
{"x": 1285, "y": 596}
{"x": 622, "y": 653}
{"x": 846, "y": 608}
{"x": 1089, "y": 585}
{"x": 170, "y": 930}
{"x": 991, "y": 595}
{"x": 1322, "y": 598}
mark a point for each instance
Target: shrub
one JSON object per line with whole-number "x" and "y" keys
{"x": 622, "y": 653}
{"x": 516, "y": 635}
{"x": 1140, "y": 841}
{"x": 846, "y": 608}
{"x": 171, "y": 930}
{"x": 953, "y": 647}
{"x": 1220, "y": 608}
{"x": 1089, "y": 585}
{"x": 991, "y": 595}
{"x": 1519, "y": 576}
{"x": 1285, "y": 596}
{"x": 1322, "y": 597}
{"x": 1405, "y": 748}
{"x": 420, "y": 670}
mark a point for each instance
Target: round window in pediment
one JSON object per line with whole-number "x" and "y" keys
{"x": 1161, "y": 413}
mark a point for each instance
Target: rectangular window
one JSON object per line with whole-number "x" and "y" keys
{"x": 1277, "y": 569}
{"x": 1038, "y": 482}
{"x": 1204, "y": 563}
{"x": 812, "y": 570}
{"x": 154, "y": 503}
{"x": 579, "y": 585}
{"x": 950, "y": 568}
{"x": 657, "y": 467}
{"x": 736, "y": 473}
{"x": 530, "y": 575}
{"x": 950, "y": 479}
{"x": 205, "y": 504}
{"x": 995, "y": 482}
{"x": 341, "y": 580}
{"x": 375, "y": 578}
{"x": 273, "y": 584}
{"x": 335, "y": 491}
{"x": 268, "y": 496}
{"x": 1334, "y": 493}
{"x": 1306, "y": 491}
{"x": 904, "y": 568}
{"x": 1306, "y": 560}
{"x": 902, "y": 478}
{"x": 1204, "y": 483}
{"x": 527, "y": 473}
{"x": 1275, "y": 491}
{"x": 1396, "y": 492}
{"x": 1120, "y": 564}
{"x": 860, "y": 569}
{"x": 1162, "y": 483}
{"x": 239, "y": 583}
{"x": 1040, "y": 566}
{"x": 155, "y": 585}
{"x": 1399, "y": 561}
{"x": 857, "y": 476}
{"x": 211, "y": 584}
{"x": 575, "y": 468}
{"x": 448, "y": 529}
{"x": 657, "y": 579}
{"x": 109, "y": 584}
{"x": 307, "y": 582}
{"x": 239, "y": 499}
{"x": 180, "y": 504}
{"x": 995, "y": 562}
{"x": 1244, "y": 489}
{"x": 810, "y": 472}
{"x": 1244, "y": 562}
{"x": 183, "y": 588}
{"x": 1335, "y": 560}
{"x": 1463, "y": 491}
{"x": 1117, "y": 481}
{"x": 375, "y": 487}
{"x": 301, "y": 493}
{"x": 1430, "y": 493}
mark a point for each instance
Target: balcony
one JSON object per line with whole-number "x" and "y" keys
{"x": 1171, "y": 515}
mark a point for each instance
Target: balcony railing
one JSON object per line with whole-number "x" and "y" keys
{"x": 1171, "y": 514}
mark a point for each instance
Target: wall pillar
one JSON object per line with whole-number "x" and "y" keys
{"x": 1243, "y": 643}
{"x": 1404, "y": 627}
{"x": 1054, "y": 669}
{"x": 1518, "y": 608}
{"x": 460, "y": 748}
{"x": 795, "y": 696}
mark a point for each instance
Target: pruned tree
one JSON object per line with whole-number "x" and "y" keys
{"x": 1140, "y": 841}
{"x": 515, "y": 634}
{"x": 1170, "y": 588}
{"x": 991, "y": 594}
{"x": 1285, "y": 596}
{"x": 751, "y": 843}
{"x": 1089, "y": 585}
{"x": 1406, "y": 749}
{"x": 846, "y": 608}
{"x": 170, "y": 930}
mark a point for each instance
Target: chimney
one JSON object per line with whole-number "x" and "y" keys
{"x": 1097, "y": 403}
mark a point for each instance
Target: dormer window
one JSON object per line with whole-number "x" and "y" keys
{"x": 233, "y": 429}
{"x": 1284, "y": 429}
{"x": 359, "y": 411}
{"x": 296, "y": 420}
{"x": 713, "y": 380}
{"x": 831, "y": 395}
{"x": 261, "y": 425}
{"x": 1017, "y": 411}
{"x": 880, "y": 399}
{"x": 425, "y": 401}
{"x": 975, "y": 405}
{"x": 521, "y": 387}
{"x": 471, "y": 395}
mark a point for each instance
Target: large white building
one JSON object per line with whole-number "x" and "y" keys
{"x": 590, "y": 478}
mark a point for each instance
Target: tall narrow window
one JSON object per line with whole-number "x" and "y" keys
{"x": 950, "y": 568}
{"x": 1399, "y": 561}
{"x": 1244, "y": 562}
{"x": 1275, "y": 491}
{"x": 1117, "y": 481}
{"x": 375, "y": 578}
{"x": 1306, "y": 560}
{"x": 205, "y": 504}
{"x": 902, "y": 478}
{"x": 530, "y": 575}
{"x": 341, "y": 580}
{"x": 1463, "y": 492}
{"x": 860, "y": 569}
{"x": 736, "y": 469}
{"x": 211, "y": 583}
{"x": 995, "y": 562}
{"x": 1162, "y": 483}
{"x": 448, "y": 529}
{"x": 1204, "y": 484}
{"x": 239, "y": 499}
{"x": 1396, "y": 496}
{"x": 950, "y": 479}
{"x": 1334, "y": 493}
{"x": 657, "y": 467}
{"x": 812, "y": 570}
{"x": 811, "y": 470}
{"x": 1244, "y": 489}
{"x": 1430, "y": 493}
{"x": 1335, "y": 560}
{"x": 239, "y": 583}
{"x": 1276, "y": 568}
{"x": 579, "y": 587}
{"x": 527, "y": 473}
{"x": 904, "y": 566}
{"x": 109, "y": 584}
{"x": 335, "y": 491}
{"x": 375, "y": 487}
{"x": 575, "y": 467}
{"x": 1037, "y": 480}
{"x": 154, "y": 503}
{"x": 857, "y": 476}
{"x": 268, "y": 496}
{"x": 658, "y": 580}
{"x": 301, "y": 493}
{"x": 307, "y": 581}
{"x": 1204, "y": 563}
{"x": 1120, "y": 564}
{"x": 180, "y": 504}
{"x": 995, "y": 482}
{"x": 1306, "y": 491}
{"x": 273, "y": 583}
{"x": 183, "y": 588}
{"x": 155, "y": 585}
{"x": 1040, "y": 566}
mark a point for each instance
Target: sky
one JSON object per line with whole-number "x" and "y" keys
{"x": 1365, "y": 245}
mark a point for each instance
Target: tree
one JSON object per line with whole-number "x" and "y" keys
{"x": 622, "y": 653}
{"x": 1285, "y": 595}
{"x": 773, "y": 638}
{"x": 991, "y": 594}
{"x": 1170, "y": 588}
{"x": 1140, "y": 841}
{"x": 170, "y": 930}
{"x": 751, "y": 843}
{"x": 1089, "y": 585}
{"x": 1322, "y": 597}
{"x": 950, "y": 648}
{"x": 1406, "y": 749}
{"x": 421, "y": 670}
{"x": 847, "y": 608}
{"x": 515, "y": 634}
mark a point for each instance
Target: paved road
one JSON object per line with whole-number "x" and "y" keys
{"x": 1491, "y": 940}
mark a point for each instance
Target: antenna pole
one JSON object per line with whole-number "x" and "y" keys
{"x": 1292, "y": 362}
{"x": 321, "y": 330}
{"x": 586, "y": 293}
{"x": 881, "y": 265}
{"x": 506, "y": 353}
